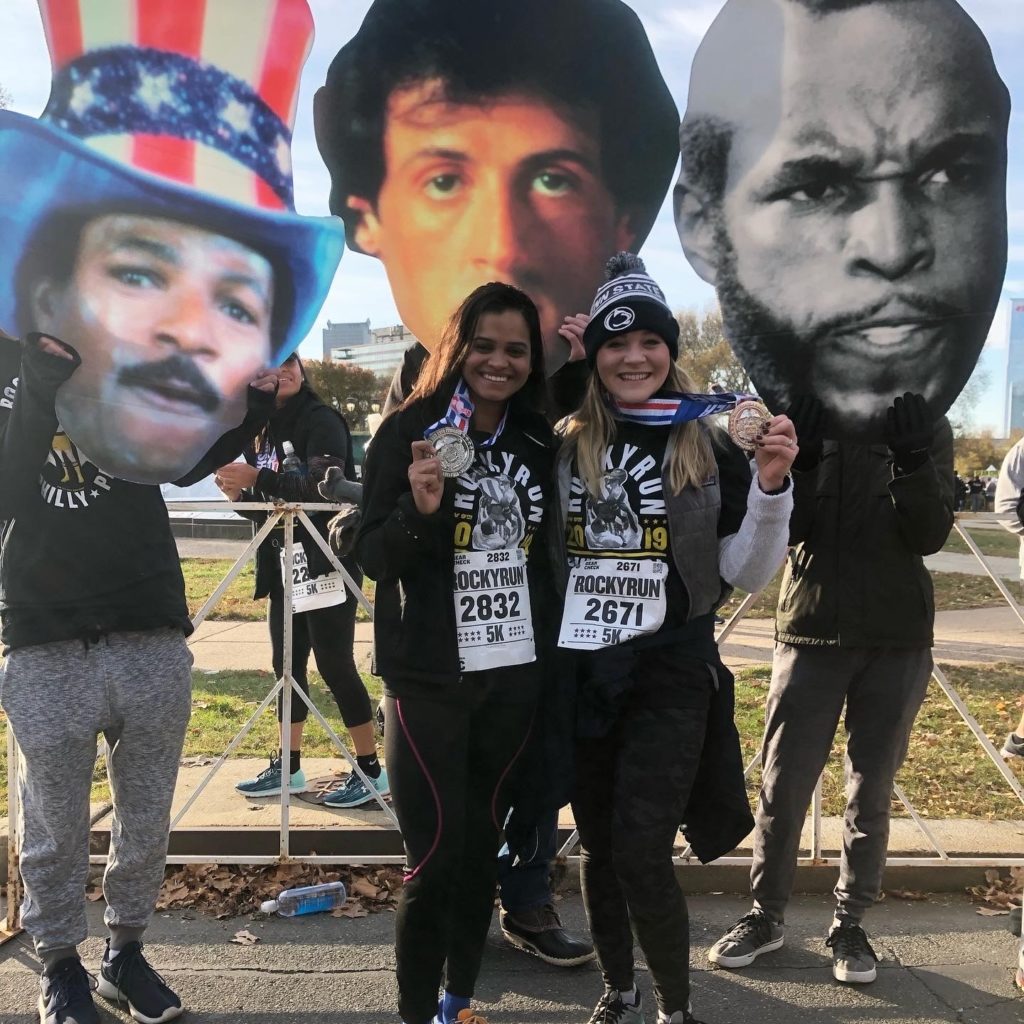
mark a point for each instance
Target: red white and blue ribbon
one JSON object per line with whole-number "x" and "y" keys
{"x": 460, "y": 413}
{"x": 666, "y": 408}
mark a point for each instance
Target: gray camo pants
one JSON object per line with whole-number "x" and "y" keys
{"x": 135, "y": 689}
{"x": 882, "y": 689}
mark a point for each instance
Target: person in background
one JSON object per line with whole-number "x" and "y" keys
{"x": 1009, "y": 507}
{"x": 976, "y": 492}
{"x": 959, "y": 492}
{"x": 321, "y": 439}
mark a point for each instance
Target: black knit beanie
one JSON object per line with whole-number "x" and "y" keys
{"x": 629, "y": 300}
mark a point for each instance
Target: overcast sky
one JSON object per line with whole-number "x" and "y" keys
{"x": 675, "y": 28}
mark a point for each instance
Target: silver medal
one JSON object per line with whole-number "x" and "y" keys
{"x": 455, "y": 450}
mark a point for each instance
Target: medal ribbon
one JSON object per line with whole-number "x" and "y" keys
{"x": 460, "y": 412}
{"x": 666, "y": 408}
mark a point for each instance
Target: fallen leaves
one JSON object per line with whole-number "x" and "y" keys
{"x": 245, "y": 938}
{"x": 1000, "y": 891}
{"x": 231, "y": 890}
{"x": 911, "y": 895}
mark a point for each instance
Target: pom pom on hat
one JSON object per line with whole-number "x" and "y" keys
{"x": 624, "y": 263}
{"x": 629, "y": 300}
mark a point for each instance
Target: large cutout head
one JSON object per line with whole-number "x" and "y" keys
{"x": 521, "y": 141}
{"x": 154, "y": 228}
{"x": 843, "y": 187}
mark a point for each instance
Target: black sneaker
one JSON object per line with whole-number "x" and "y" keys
{"x": 753, "y": 934}
{"x": 65, "y": 995}
{"x": 853, "y": 959}
{"x": 540, "y": 932}
{"x": 129, "y": 979}
{"x": 611, "y": 1009}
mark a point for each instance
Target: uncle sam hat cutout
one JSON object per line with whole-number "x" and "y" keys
{"x": 180, "y": 109}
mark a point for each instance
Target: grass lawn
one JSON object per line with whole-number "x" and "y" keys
{"x": 221, "y": 704}
{"x": 944, "y": 774}
{"x": 954, "y": 591}
{"x": 997, "y": 543}
{"x": 202, "y": 575}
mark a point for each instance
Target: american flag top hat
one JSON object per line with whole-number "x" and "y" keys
{"x": 173, "y": 108}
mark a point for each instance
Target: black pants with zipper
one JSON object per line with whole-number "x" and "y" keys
{"x": 632, "y": 787}
{"x": 449, "y": 767}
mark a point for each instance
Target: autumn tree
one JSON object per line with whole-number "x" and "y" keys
{"x": 975, "y": 454}
{"x": 705, "y": 353}
{"x": 353, "y": 391}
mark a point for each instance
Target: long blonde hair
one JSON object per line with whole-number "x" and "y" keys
{"x": 591, "y": 430}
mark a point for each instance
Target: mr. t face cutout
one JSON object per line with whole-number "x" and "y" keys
{"x": 847, "y": 198}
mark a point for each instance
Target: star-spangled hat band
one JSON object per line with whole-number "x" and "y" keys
{"x": 181, "y": 109}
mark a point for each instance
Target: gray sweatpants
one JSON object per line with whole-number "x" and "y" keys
{"x": 883, "y": 689}
{"x": 135, "y": 689}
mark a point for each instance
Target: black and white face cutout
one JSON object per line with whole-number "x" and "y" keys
{"x": 846, "y": 196}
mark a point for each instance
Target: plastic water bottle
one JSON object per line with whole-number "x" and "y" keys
{"x": 292, "y": 463}
{"x": 312, "y": 899}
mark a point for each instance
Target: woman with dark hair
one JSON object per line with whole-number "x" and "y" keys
{"x": 456, "y": 493}
{"x": 319, "y": 436}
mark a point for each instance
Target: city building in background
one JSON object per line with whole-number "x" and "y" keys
{"x": 1014, "y": 408}
{"x": 378, "y": 349}
{"x": 345, "y": 336}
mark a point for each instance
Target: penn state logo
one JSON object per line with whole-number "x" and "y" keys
{"x": 619, "y": 319}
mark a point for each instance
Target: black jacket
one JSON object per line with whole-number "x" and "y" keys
{"x": 856, "y": 576}
{"x": 411, "y": 556}
{"x": 320, "y": 437}
{"x": 83, "y": 554}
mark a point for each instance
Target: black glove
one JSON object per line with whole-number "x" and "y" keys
{"x": 808, "y": 416}
{"x": 909, "y": 431}
{"x": 1020, "y": 508}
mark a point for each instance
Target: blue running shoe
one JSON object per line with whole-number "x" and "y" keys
{"x": 353, "y": 792}
{"x": 268, "y": 782}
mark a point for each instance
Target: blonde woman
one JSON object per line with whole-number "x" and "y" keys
{"x": 663, "y": 515}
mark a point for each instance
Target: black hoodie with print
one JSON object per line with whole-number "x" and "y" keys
{"x": 83, "y": 554}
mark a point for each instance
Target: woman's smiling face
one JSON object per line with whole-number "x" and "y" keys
{"x": 633, "y": 366}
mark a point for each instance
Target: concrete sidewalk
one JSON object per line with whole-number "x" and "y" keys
{"x": 941, "y": 963}
{"x": 976, "y": 636}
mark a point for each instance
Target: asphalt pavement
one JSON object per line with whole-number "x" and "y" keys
{"x": 941, "y": 963}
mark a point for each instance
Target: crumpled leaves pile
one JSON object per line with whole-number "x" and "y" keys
{"x": 231, "y": 890}
{"x": 1001, "y": 891}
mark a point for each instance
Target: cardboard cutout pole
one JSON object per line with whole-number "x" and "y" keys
{"x": 150, "y": 221}
{"x": 843, "y": 187}
{"x": 515, "y": 140}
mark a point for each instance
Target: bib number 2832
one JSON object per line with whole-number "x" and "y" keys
{"x": 492, "y": 609}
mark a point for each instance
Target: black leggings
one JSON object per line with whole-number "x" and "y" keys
{"x": 329, "y": 633}
{"x": 632, "y": 788}
{"x": 447, "y": 765}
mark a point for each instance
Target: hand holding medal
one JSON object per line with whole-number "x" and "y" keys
{"x": 425, "y": 478}
{"x": 775, "y": 448}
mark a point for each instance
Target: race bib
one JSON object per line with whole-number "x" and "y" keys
{"x": 311, "y": 592}
{"x": 612, "y": 600}
{"x": 492, "y": 609}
